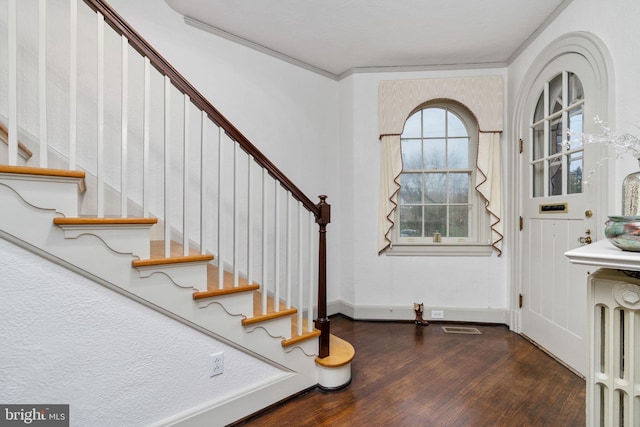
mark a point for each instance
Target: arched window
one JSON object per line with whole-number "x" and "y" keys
{"x": 437, "y": 201}
{"x": 477, "y": 103}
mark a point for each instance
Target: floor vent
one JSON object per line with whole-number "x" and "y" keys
{"x": 461, "y": 330}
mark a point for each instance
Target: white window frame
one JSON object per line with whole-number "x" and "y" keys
{"x": 479, "y": 243}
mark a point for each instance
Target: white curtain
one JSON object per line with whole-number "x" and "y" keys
{"x": 483, "y": 96}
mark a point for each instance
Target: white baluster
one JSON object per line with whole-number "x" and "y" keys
{"x": 220, "y": 211}
{"x": 12, "y": 126}
{"x": 167, "y": 165}
{"x": 276, "y": 255}
{"x": 288, "y": 254}
{"x": 124, "y": 154}
{"x": 100, "y": 115}
{"x": 300, "y": 266}
{"x": 203, "y": 186}
{"x": 185, "y": 178}
{"x": 73, "y": 81}
{"x": 42, "y": 81}
{"x": 265, "y": 287}
{"x": 311, "y": 271}
{"x": 249, "y": 233}
{"x": 236, "y": 214}
{"x": 145, "y": 139}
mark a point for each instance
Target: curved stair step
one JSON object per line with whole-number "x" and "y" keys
{"x": 124, "y": 235}
{"x": 334, "y": 371}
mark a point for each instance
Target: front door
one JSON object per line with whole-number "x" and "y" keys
{"x": 558, "y": 199}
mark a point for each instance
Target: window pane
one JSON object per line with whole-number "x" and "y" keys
{"x": 458, "y": 153}
{"x": 433, "y": 121}
{"x": 555, "y": 136}
{"x": 539, "y": 113}
{"x": 410, "y": 188}
{"x": 412, "y": 126}
{"x": 459, "y": 221}
{"x": 435, "y": 188}
{"x": 574, "y": 180}
{"x": 411, "y": 154}
{"x": 435, "y": 219}
{"x": 434, "y": 154}
{"x": 576, "y": 92}
{"x": 555, "y": 94}
{"x": 455, "y": 127}
{"x": 575, "y": 127}
{"x": 538, "y": 180}
{"x": 555, "y": 177}
{"x": 538, "y": 141}
{"x": 459, "y": 188}
{"x": 410, "y": 221}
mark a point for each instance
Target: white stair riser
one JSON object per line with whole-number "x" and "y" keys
{"x": 280, "y": 327}
{"x": 56, "y": 193}
{"x": 333, "y": 378}
{"x": 235, "y": 304}
{"x": 309, "y": 346}
{"x": 130, "y": 238}
{"x": 190, "y": 275}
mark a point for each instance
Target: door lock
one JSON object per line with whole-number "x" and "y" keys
{"x": 586, "y": 240}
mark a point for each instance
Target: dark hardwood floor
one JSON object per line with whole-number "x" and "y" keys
{"x": 408, "y": 375}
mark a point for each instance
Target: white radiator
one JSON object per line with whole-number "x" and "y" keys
{"x": 613, "y": 363}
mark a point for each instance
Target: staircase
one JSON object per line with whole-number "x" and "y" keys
{"x": 228, "y": 252}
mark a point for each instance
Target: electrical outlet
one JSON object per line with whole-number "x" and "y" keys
{"x": 437, "y": 314}
{"x": 217, "y": 363}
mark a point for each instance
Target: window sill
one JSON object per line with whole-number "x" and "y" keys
{"x": 439, "y": 249}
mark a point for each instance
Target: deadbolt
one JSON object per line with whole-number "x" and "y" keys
{"x": 587, "y": 239}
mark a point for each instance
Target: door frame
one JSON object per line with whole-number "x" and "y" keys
{"x": 597, "y": 55}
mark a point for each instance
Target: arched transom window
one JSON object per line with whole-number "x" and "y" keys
{"x": 557, "y": 155}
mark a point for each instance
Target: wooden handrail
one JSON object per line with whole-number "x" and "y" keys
{"x": 162, "y": 65}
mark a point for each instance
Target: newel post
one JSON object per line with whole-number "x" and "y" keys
{"x": 322, "y": 322}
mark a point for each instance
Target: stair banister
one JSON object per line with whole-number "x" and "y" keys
{"x": 321, "y": 211}
{"x": 144, "y": 48}
{"x": 323, "y": 320}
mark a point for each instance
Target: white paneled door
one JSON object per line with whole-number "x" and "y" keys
{"x": 558, "y": 208}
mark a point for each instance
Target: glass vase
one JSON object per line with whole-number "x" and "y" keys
{"x": 631, "y": 194}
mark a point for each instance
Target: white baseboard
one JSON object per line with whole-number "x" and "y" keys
{"x": 452, "y": 314}
{"x": 237, "y": 407}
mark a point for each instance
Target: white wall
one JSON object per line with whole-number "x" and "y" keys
{"x": 384, "y": 286}
{"x": 68, "y": 340}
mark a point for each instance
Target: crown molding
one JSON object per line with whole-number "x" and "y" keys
{"x": 258, "y": 47}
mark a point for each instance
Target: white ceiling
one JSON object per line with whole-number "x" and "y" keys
{"x": 335, "y": 36}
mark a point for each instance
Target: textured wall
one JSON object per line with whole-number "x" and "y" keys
{"x": 66, "y": 339}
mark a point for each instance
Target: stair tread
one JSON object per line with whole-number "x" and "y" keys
{"x": 176, "y": 255}
{"x": 270, "y": 315}
{"x": 27, "y": 170}
{"x": 102, "y": 221}
{"x": 341, "y": 353}
{"x": 228, "y": 287}
{"x": 295, "y": 338}
{"x": 60, "y": 173}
